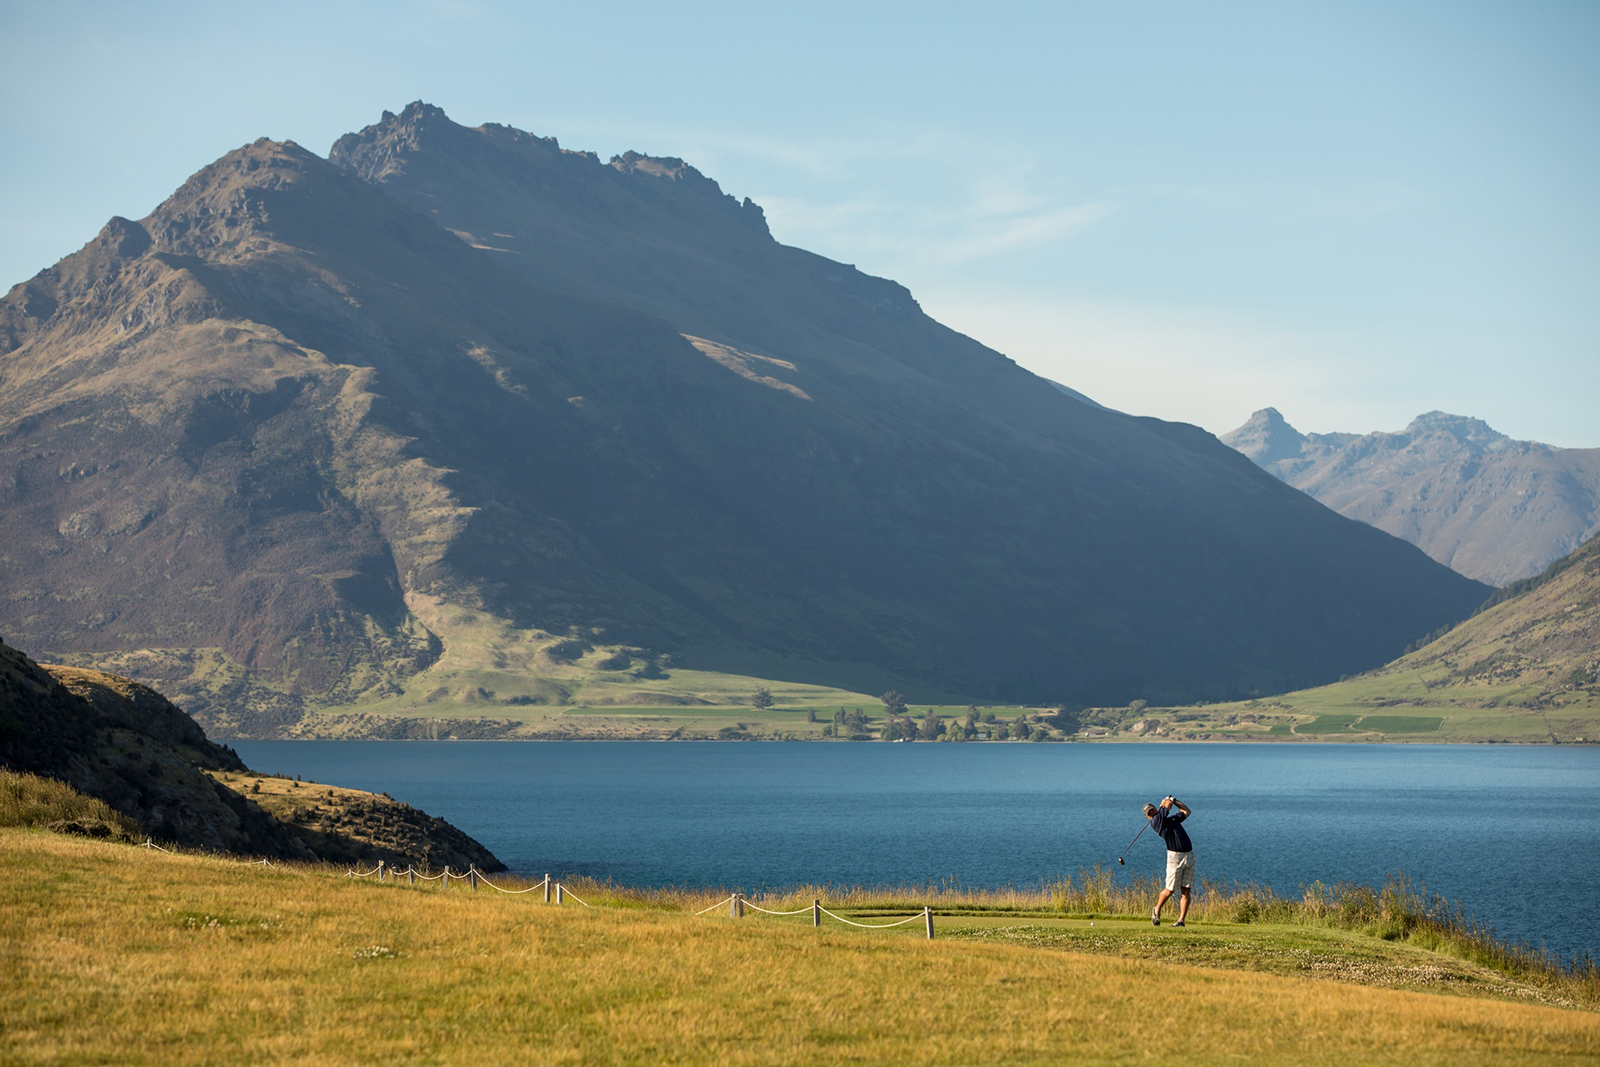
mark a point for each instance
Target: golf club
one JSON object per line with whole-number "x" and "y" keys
{"x": 1135, "y": 841}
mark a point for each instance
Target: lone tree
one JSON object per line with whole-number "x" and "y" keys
{"x": 894, "y": 703}
{"x": 762, "y": 700}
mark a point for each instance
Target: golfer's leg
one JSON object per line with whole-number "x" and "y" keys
{"x": 1161, "y": 901}
{"x": 1183, "y": 903}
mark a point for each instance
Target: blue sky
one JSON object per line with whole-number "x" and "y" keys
{"x": 1355, "y": 212}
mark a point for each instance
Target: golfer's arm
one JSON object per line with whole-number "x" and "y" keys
{"x": 1181, "y": 806}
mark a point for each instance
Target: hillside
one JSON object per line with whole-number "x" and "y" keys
{"x": 1477, "y": 501}
{"x": 288, "y": 445}
{"x": 1525, "y": 668}
{"x": 126, "y": 745}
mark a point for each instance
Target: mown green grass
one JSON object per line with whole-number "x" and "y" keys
{"x": 1402, "y": 724}
{"x": 114, "y": 954}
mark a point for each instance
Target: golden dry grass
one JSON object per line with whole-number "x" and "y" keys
{"x": 29, "y": 800}
{"x": 119, "y": 955}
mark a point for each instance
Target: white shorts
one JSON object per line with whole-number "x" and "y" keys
{"x": 1180, "y": 870}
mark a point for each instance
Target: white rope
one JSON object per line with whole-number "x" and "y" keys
{"x": 717, "y": 905}
{"x": 866, "y": 926}
{"x": 424, "y": 877}
{"x": 513, "y": 892}
{"x": 148, "y": 843}
{"x": 758, "y": 907}
{"x": 368, "y": 874}
{"x": 567, "y": 892}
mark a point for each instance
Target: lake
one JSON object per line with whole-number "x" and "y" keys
{"x": 1506, "y": 830}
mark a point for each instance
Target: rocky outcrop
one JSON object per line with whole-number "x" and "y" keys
{"x": 126, "y": 745}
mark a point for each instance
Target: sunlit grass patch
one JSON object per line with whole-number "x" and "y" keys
{"x": 1326, "y": 724}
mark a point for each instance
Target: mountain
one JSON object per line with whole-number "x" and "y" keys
{"x": 289, "y": 444}
{"x": 1540, "y": 634}
{"x": 1526, "y": 667}
{"x": 128, "y": 746}
{"x": 1490, "y": 507}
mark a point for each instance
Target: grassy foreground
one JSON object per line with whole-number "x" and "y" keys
{"x": 113, "y": 954}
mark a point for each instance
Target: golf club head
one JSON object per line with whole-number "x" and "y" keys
{"x": 1120, "y": 862}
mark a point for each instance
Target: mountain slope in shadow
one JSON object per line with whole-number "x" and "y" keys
{"x": 282, "y": 435}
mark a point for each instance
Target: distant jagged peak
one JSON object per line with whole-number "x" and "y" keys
{"x": 1463, "y": 428}
{"x": 1266, "y": 437}
{"x": 418, "y": 112}
{"x": 1270, "y": 420}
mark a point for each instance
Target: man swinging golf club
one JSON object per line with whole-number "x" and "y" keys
{"x": 1180, "y": 855}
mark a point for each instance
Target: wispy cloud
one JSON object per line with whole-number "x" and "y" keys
{"x": 924, "y": 197}
{"x": 987, "y": 235}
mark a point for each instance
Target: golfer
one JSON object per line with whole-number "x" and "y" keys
{"x": 1180, "y": 855}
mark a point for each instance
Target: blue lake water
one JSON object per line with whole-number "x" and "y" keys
{"x": 1506, "y": 830}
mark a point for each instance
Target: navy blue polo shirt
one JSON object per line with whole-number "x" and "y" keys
{"x": 1169, "y": 824}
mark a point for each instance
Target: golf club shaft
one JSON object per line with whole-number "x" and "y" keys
{"x": 1135, "y": 840}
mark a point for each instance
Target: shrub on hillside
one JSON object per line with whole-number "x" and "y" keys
{"x": 44, "y": 803}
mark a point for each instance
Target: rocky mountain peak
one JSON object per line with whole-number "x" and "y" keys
{"x": 1266, "y": 437}
{"x": 1490, "y": 507}
{"x": 675, "y": 170}
{"x": 424, "y": 146}
{"x": 384, "y": 148}
{"x": 1474, "y": 434}
{"x": 224, "y": 203}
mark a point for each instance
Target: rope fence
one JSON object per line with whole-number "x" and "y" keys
{"x": 736, "y": 902}
{"x": 472, "y": 877}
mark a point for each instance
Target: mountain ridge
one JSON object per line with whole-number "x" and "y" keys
{"x": 290, "y": 442}
{"x": 1474, "y": 499}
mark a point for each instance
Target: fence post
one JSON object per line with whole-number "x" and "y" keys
{"x": 547, "y": 887}
{"x": 411, "y": 876}
{"x": 444, "y": 883}
{"x": 734, "y": 911}
{"x": 927, "y": 915}
{"x": 816, "y": 913}
{"x": 380, "y": 870}
{"x": 472, "y": 877}
{"x": 560, "y": 894}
